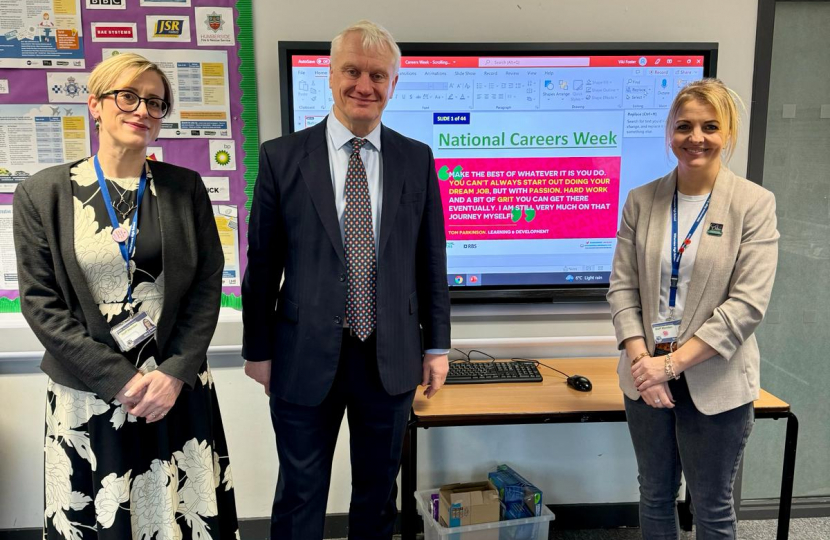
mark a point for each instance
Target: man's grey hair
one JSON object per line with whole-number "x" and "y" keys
{"x": 373, "y": 36}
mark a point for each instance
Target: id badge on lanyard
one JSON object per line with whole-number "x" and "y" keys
{"x": 138, "y": 327}
{"x": 135, "y": 330}
{"x": 668, "y": 330}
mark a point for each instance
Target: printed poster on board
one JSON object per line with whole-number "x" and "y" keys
{"x": 34, "y": 137}
{"x": 214, "y": 27}
{"x": 41, "y": 34}
{"x": 201, "y": 96}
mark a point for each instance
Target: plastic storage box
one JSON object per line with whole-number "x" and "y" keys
{"x": 533, "y": 528}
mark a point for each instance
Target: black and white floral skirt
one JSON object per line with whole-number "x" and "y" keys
{"x": 112, "y": 476}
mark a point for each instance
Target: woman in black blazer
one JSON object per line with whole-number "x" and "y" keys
{"x": 120, "y": 272}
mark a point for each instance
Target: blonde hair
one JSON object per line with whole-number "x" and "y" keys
{"x": 725, "y": 102}
{"x": 373, "y": 36}
{"x": 106, "y": 74}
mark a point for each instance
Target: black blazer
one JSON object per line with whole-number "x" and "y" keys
{"x": 294, "y": 228}
{"x": 56, "y": 301}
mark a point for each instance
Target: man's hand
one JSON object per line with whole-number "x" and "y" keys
{"x": 436, "y": 367}
{"x": 160, "y": 392}
{"x": 260, "y": 372}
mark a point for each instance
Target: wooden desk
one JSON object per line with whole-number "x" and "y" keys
{"x": 552, "y": 401}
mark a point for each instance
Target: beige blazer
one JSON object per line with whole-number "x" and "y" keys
{"x": 728, "y": 293}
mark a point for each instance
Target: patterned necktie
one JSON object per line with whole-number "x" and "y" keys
{"x": 361, "y": 266}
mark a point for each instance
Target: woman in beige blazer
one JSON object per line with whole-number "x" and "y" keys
{"x": 692, "y": 276}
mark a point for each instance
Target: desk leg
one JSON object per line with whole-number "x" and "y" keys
{"x": 788, "y": 475}
{"x": 409, "y": 483}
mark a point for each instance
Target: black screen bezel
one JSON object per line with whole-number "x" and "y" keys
{"x": 500, "y": 294}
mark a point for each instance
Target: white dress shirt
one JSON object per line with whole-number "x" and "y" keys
{"x": 338, "y": 139}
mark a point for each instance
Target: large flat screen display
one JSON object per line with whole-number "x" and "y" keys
{"x": 536, "y": 147}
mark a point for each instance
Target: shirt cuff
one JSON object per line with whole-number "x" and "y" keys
{"x": 437, "y": 351}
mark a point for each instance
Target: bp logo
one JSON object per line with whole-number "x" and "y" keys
{"x": 444, "y": 173}
{"x": 222, "y": 158}
{"x": 214, "y": 21}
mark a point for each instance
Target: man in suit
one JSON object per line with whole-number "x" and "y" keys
{"x": 351, "y": 212}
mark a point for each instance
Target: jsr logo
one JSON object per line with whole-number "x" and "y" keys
{"x": 168, "y": 28}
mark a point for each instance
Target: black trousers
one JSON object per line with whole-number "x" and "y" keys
{"x": 306, "y": 437}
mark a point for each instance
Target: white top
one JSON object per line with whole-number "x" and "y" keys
{"x": 688, "y": 207}
{"x": 338, "y": 139}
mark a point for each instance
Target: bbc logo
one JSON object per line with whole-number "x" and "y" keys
{"x": 113, "y": 3}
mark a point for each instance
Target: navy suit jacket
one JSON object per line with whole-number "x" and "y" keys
{"x": 294, "y": 229}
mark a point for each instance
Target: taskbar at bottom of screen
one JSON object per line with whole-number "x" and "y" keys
{"x": 530, "y": 279}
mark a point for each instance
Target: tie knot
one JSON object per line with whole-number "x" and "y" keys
{"x": 358, "y": 143}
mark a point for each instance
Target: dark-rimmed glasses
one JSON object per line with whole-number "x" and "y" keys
{"x": 129, "y": 101}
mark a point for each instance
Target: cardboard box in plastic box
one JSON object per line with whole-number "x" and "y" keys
{"x": 468, "y": 504}
{"x": 534, "y": 528}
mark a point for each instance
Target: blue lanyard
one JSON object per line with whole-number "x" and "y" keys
{"x": 677, "y": 253}
{"x": 127, "y": 247}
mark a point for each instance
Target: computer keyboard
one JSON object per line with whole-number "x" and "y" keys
{"x": 492, "y": 372}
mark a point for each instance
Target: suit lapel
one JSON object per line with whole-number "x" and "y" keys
{"x": 394, "y": 164}
{"x": 658, "y": 221}
{"x": 708, "y": 249}
{"x": 317, "y": 175}
{"x": 171, "y": 248}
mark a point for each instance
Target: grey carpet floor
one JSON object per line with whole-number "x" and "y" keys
{"x": 800, "y": 529}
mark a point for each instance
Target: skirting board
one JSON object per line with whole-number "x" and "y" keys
{"x": 568, "y": 517}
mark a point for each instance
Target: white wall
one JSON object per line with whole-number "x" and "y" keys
{"x": 571, "y": 463}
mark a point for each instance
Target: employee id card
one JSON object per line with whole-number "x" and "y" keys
{"x": 133, "y": 331}
{"x": 665, "y": 332}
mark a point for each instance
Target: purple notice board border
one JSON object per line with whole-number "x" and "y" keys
{"x": 30, "y": 86}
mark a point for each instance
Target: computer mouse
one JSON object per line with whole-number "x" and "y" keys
{"x": 578, "y": 382}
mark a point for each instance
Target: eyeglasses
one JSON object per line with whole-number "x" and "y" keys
{"x": 129, "y": 101}
{"x": 468, "y": 356}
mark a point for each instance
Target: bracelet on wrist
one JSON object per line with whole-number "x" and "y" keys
{"x": 639, "y": 357}
{"x": 669, "y": 368}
